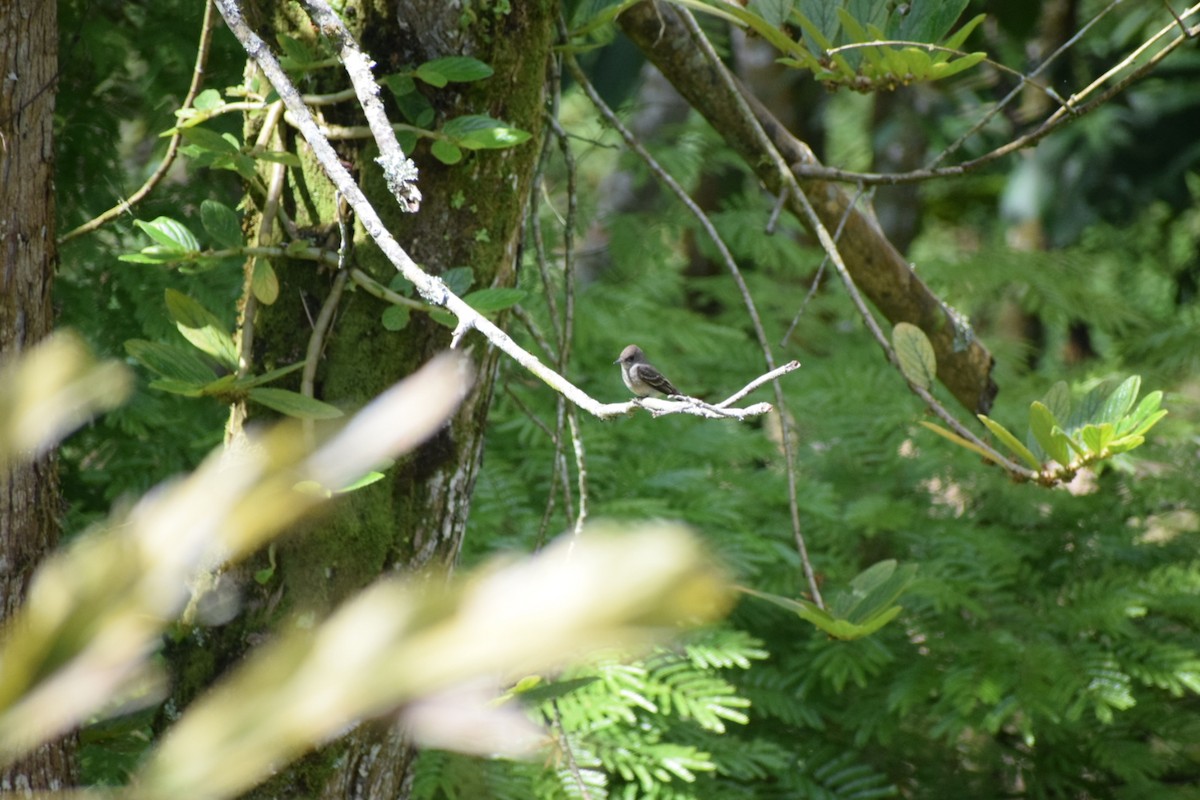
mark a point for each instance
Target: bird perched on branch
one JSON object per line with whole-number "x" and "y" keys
{"x": 642, "y": 378}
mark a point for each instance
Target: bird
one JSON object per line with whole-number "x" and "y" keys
{"x": 642, "y": 378}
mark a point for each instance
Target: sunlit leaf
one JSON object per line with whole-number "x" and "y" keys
{"x": 917, "y": 359}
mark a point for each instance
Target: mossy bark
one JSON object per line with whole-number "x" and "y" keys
{"x": 471, "y": 215}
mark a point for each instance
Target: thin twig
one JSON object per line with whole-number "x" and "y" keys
{"x": 1072, "y": 110}
{"x": 996, "y": 108}
{"x": 816, "y": 282}
{"x": 316, "y": 341}
{"x": 206, "y": 29}
{"x": 804, "y": 207}
{"x": 780, "y": 401}
{"x": 430, "y": 287}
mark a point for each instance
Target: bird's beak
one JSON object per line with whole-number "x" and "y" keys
{"x": 618, "y": 361}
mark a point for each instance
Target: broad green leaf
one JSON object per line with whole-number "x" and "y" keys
{"x": 915, "y": 353}
{"x": 774, "y": 12}
{"x": 1148, "y": 423}
{"x": 480, "y": 132}
{"x": 294, "y": 404}
{"x": 415, "y": 108}
{"x": 1096, "y": 438}
{"x": 958, "y": 440}
{"x": 459, "y": 279}
{"x": 944, "y": 70}
{"x": 201, "y": 327}
{"x": 208, "y": 100}
{"x": 960, "y": 36}
{"x": 926, "y": 22}
{"x": 222, "y": 223}
{"x": 1120, "y": 401}
{"x": 407, "y": 141}
{"x": 280, "y": 157}
{"x": 399, "y": 83}
{"x": 1087, "y": 410}
{"x": 497, "y": 299}
{"x": 453, "y": 69}
{"x": 170, "y": 234}
{"x": 1048, "y": 433}
{"x": 395, "y": 318}
{"x": 1011, "y": 442}
{"x": 872, "y": 591}
{"x": 296, "y": 53}
{"x": 169, "y": 361}
{"x": 374, "y": 476}
{"x": 204, "y": 139}
{"x": 446, "y": 152}
{"x": 1144, "y": 410}
{"x": 1058, "y": 400}
{"x": 264, "y": 283}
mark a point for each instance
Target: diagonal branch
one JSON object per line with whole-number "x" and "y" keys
{"x": 879, "y": 270}
{"x": 433, "y": 289}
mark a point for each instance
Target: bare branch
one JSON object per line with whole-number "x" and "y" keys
{"x": 431, "y": 288}
{"x": 398, "y": 170}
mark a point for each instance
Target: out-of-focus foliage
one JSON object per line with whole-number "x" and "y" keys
{"x": 81, "y": 644}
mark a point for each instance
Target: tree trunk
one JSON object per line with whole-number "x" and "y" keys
{"x": 471, "y": 215}
{"x": 29, "y": 500}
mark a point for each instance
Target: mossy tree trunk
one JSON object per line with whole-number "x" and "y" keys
{"x": 471, "y": 216}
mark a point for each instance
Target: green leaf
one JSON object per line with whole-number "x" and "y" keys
{"x": 170, "y": 361}
{"x": 1120, "y": 401}
{"x": 202, "y": 328}
{"x": 222, "y": 223}
{"x": 203, "y": 139}
{"x": 1096, "y": 438}
{"x": 459, "y": 279}
{"x": 775, "y": 12}
{"x": 280, "y": 157}
{"x": 374, "y": 476}
{"x": 208, "y": 100}
{"x": 294, "y": 404}
{"x": 1011, "y": 442}
{"x": 1058, "y": 400}
{"x": 400, "y": 83}
{"x": 296, "y": 53}
{"x": 1049, "y": 435}
{"x": 172, "y": 235}
{"x": 480, "y": 132}
{"x": 915, "y": 353}
{"x": 873, "y": 591}
{"x": 453, "y": 69}
{"x": 395, "y": 318}
{"x": 487, "y": 300}
{"x": 446, "y": 152}
{"x": 264, "y": 283}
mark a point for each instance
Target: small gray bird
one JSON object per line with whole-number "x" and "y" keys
{"x": 641, "y": 378}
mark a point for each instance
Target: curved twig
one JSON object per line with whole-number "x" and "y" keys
{"x": 206, "y": 29}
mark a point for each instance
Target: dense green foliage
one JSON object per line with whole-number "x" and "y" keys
{"x": 1050, "y": 644}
